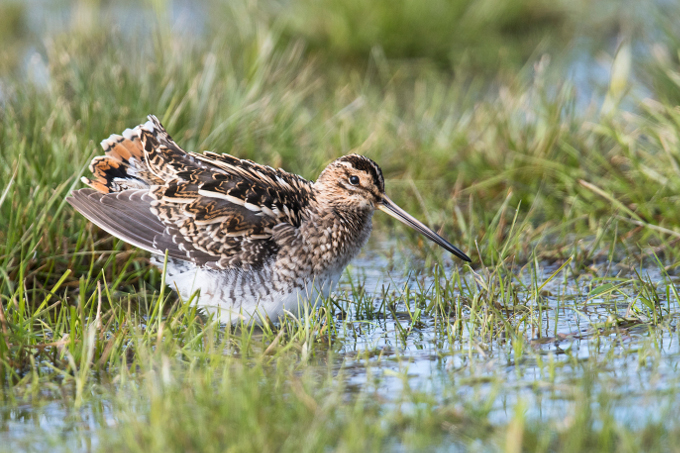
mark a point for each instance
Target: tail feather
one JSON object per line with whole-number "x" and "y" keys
{"x": 141, "y": 157}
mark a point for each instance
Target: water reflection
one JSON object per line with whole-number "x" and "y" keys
{"x": 605, "y": 340}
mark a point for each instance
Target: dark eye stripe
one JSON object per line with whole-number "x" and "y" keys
{"x": 365, "y": 164}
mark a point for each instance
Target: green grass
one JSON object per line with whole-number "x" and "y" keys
{"x": 479, "y": 34}
{"x": 561, "y": 336}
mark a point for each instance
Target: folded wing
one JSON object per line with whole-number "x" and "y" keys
{"x": 213, "y": 210}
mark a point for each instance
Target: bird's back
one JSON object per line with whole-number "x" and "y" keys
{"x": 213, "y": 210}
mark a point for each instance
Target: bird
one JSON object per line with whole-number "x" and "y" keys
{"x": 253, "y": 242}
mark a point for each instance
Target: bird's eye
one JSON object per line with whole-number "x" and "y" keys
{"x": 354, "y": 180}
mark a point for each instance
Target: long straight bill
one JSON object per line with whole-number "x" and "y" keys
{"x": 395, "y": 211}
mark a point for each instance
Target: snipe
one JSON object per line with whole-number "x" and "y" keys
{"x": 254, "y": 240}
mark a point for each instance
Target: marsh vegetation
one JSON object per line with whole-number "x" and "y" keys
{"x": 542, "y": 136}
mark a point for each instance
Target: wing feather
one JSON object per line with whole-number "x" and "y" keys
{"x": 211, "y": 209}
{"x": 122, "y": 215}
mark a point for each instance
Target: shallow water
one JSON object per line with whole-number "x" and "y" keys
{"x": 634, "y": 362}
{"x": 576, "y": 351}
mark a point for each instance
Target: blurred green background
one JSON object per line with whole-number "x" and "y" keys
{"x": 476, "y": 36}
{"x": 468, "y": 105}
{"x": 461, "y": 102}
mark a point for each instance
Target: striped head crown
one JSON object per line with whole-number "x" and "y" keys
{"x": 352, "y": 179}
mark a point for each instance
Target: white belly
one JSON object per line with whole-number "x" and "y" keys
{"x": 233, "y": 296}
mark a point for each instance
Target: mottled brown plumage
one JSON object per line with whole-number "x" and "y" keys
{"x": 253, "y": 239}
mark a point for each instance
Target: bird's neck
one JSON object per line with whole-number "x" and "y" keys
{"x": 341, "y": 217}
{"x": 336, "y": 235}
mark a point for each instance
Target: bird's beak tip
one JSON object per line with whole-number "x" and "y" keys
{"x": 387, "y": 206}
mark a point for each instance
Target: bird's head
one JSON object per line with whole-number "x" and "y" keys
{"x": 356, "y": 183}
